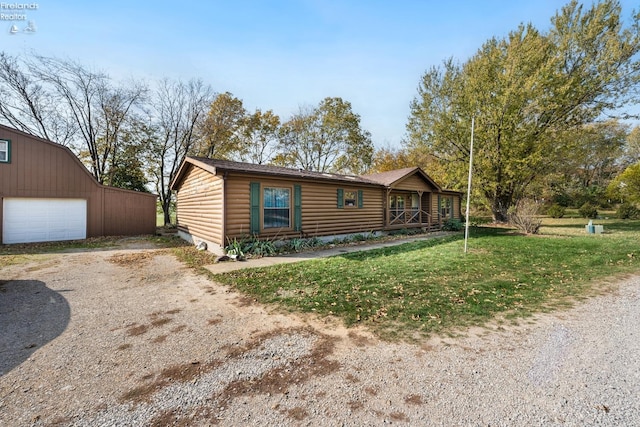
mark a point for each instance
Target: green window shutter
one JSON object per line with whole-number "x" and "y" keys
{"x": 340, "y": 198}
{"x": 297, "y": 207}
{"x": 439, "y": 207}
{"x": 255, "y": 208}
{"x": 360, "y": 203}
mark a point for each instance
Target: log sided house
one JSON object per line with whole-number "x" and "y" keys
{"x": 219, "y": 200}
{"x": 47, "y": 194}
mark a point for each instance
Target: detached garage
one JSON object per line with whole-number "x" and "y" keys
{"x": 46, "y": 194}
{"x": 43, "y": 220}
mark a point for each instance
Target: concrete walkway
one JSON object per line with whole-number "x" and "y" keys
{"x": 223, "y": 267}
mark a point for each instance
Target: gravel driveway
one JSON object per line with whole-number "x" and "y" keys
{"x": 132, "y": 337}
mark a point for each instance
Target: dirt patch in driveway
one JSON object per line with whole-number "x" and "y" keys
{"x": 133, "y": 337}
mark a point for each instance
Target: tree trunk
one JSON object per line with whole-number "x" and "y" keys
{"x": 166, "y": 210}
{"x": 500, "y": 205}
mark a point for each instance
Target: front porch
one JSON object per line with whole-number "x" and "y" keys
{"x": 410, "y": 209}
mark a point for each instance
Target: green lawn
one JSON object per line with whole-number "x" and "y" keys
{"x": 433, "y": 287}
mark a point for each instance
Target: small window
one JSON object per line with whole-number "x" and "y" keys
{"x": 277, "y": 207}
{"x": 351, "y": 199}
{"x": 5, "y": 151}
{"x": 446, "y": 203}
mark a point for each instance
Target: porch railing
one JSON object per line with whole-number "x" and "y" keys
{"x": 409, "y": 217}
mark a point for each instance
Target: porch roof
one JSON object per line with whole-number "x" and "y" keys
{"x": 391, "y": 178}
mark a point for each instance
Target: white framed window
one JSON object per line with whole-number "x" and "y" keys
{"x": 5, "y": 151}
{"x": 446, "y": 204}
{"x": 350, "y": 199}
{"x": 276, "y": 207}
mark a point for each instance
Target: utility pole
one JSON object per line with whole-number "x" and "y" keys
{"x": 466, "y": 222}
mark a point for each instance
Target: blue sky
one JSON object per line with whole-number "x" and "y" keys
{"x": 279, "y": 55}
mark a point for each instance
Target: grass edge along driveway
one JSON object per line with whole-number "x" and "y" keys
{"x": 431, "y": 286}
{"x": 428, "y": 286}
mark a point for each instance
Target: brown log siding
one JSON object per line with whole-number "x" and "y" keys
{"x": 43, "y": 169}
{"x": 413, "y": 183}
{"x": 435, "y": 208}
{"x": 199, "y": 205}
{"x": 435, "y": 212}
{"x": 320, "y": 213}
{"x": 237, "y": 204}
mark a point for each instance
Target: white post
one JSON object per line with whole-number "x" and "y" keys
{"x": 466, "y": 222}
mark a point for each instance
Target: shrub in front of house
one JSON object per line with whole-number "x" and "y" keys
{"x": 556, "y": 211}
{"x": 627, "y": 211}
{"x": 452, "y": 224}
{"x": 588, "y": 210}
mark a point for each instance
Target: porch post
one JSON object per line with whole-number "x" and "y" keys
{"x": 387, "y": 213}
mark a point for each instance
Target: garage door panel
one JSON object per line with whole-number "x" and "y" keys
{"x": 43, "y": 220}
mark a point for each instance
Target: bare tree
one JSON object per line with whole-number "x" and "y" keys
{"x": 178, "y": 110}
{"x": 96, "y": 106}
{"x": 29, "y": 104}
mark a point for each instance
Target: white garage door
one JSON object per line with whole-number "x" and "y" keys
{"x": 43, "y": 220}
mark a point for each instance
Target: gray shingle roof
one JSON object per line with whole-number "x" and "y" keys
{"x": 388, "y": 178}
{"x": 384, "y": 179}
{"x": 215, "y": 165}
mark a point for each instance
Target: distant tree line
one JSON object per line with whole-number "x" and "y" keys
{"x": 135, "y": 136}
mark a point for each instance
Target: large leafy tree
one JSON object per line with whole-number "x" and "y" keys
{"x": 221, "y": 129}
{"x": 632, "y": 147}
{"x": 597, "y": 150}
{"x": 526, "y": 91}
{"x": 327, "y": 138}
{"x": 597, "y": 154}
{"x": 259, "y": 137}
{"x": 626, "y": 186}
{"x": 128, "y": 164}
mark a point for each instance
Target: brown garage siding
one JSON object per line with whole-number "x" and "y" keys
{"x": 127, "y": 213}
{"x": 320, "y": 214}
{"x": 199, "y": 205}
{"x": 43, "y": 169}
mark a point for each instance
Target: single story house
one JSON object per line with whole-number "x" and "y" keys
{"x": 47, "y": 194}
{"x": 219, "y": 200}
